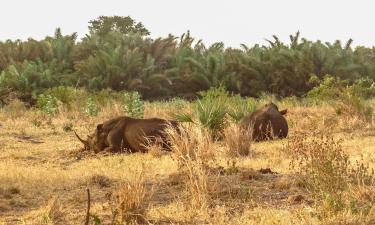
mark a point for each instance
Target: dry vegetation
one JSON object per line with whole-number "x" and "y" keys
{"x": 321, "y": 174}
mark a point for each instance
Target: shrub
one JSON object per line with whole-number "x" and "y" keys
{"x": 92, "y": 108}
{"x": 322, "y": 161}
{"x": 329, "y": 88}
{"x": 212, "y": 109}
{"x": 132, "y": 104}
{"x": 352, "y": 105}
{"x": 15, "y": 109}
{"x": 64, "y": 94}
{"x": 48, "y": 103}
{"x": 240, "y": 107}
{"x": 364, "y": 88}
{"x": 346, "y": 99}
{"x": 326, "y": 170}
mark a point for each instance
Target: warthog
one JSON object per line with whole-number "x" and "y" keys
{"x": 266, "y": 123}
{"x": 126, "y": 133}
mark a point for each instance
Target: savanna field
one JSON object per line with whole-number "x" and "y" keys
{"x": 215, "y": 173}
{"x": 303, "y": 179}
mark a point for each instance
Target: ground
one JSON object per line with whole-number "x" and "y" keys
{"x": 44, "y": 174}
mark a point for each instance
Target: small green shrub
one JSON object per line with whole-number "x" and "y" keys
{"x": 239, "y": 107}
{"x": 64, "y": 94}
{"x": 48, "y": 103}
{"x": 104, "y": 96}
{"x": 212, "y": 109}
{"x": 329, "y": 88}
{"x": 352, "y": 105}
{"x": 92, "y": 108}
{"x": 132, "y": 104}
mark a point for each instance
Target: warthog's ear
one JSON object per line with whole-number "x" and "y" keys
{"x": 283, "y": 112}
{"x": 99, "y": 127}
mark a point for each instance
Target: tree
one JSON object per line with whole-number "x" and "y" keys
{"x": 106, "y": 24}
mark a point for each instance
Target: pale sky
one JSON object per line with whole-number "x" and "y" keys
{"x": 233, "y": 21}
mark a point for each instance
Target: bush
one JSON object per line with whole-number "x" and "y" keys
{"x": 351, "y": 105}
{"x": 92, "y": 108}
{"x": 64, "y": 94}
{"x": 346, "y": 99}
{"x": 48, "y": 104}
{"x": 212, "y": 109}
{"x": 327, "y": 172}
{"x": 329, "y": 88}
{"x": 240, "y": 107}
{"x": 132, "y": 104}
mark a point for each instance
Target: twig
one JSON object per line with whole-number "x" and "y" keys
{"x": 88, "y": 207}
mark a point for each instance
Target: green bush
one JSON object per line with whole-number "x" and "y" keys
{"x": 364, "y": 88}
{"x": 48, "y": 104}
{"x": 92, "y": 108}
{"x": 239, "y": 107}
{"x": 212, "y": 109}
{"x": 353, "y": 105}
{"x": 132, "y": 104}
{"x": 328, "y": 89}
{"x": 65, "y": 95}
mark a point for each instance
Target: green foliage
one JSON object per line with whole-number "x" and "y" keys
{"x": 329, "y": 89}
{"x": 118, "y": 55}
{"x": 352, "y": 105}
{"x": 211, "y": 110}
{"x": 240, "y": 107}
{"x": 48, "y": 104}
{"x": 346, "y": 99}
{"x": 64, "y": 94}
{"x": 92, "y": 108}
{"x": 132, "y": 104}
{"x": 105, "y": 24}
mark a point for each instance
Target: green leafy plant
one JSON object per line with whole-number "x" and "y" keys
{"x": 132, "y": 104}
{"x": 48, "y": 104}
{"x": 64, "y": 94}
{"x": 92, "y": 108}
{"x": 240, "y": 107}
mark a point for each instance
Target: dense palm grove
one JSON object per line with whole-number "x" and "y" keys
{"x": 118, "y": 54}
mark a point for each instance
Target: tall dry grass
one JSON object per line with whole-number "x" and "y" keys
{"x": 194, "y": 152}
{"x": 129, "y": 203}
{"x": 237, "y": 141}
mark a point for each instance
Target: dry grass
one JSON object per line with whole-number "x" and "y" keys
{"x": 129, "y": 203}
{"x": 237, "y": 141}
{"x": 193, "y": 150}
{"x": 196, "y": 183}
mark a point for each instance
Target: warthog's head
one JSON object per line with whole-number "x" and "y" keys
{"x": 95, "y": 141}
{"x": 272, "y": 108}
{"x": 87, "y": 144}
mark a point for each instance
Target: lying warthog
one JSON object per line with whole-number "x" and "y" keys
{"x": 266, "y": 123}
{"x": 126, "y": 133}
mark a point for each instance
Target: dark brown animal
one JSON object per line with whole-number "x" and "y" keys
{"x": 266, "y": 123}
{"x": 128, "y": 133}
